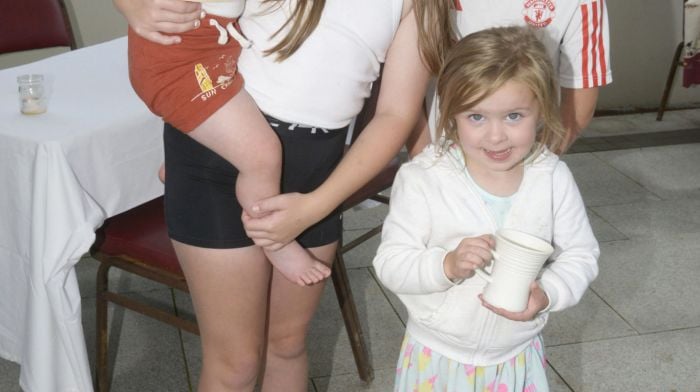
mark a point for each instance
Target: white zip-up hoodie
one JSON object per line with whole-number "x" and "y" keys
{"x": 433, "y": 207}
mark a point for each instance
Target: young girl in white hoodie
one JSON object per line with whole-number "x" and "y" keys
{"x": 492, "y": 169}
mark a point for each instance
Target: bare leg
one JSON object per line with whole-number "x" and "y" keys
{"x": 291, "y": 311}
{"x": 229, "y": 290}
{"x": 240, "y": 134}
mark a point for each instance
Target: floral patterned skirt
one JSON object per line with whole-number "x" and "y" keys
{"x": 420, "y": 369}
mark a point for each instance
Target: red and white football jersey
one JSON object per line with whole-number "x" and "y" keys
{"x": 575, "y": 32}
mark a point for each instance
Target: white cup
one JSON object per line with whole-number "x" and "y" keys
{"x": 517, "y": 260}
{"x": 32, "y": 94}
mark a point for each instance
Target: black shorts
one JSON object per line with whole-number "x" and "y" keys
{"x": 200, "y": 201}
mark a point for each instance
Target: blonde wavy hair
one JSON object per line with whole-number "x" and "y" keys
{"x": 303, "y": 21}
{"x": 483, "y": 62}
{"x": 435, "y": 32}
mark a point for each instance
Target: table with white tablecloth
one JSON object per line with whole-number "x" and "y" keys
{"x": 92, "y": 155}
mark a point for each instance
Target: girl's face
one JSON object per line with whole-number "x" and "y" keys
{"x": 498, "y": 134}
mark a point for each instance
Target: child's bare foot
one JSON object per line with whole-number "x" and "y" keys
{"x": 161, "y": 173}
{"x": 297, "y": 265}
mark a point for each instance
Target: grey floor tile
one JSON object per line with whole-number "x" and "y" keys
{"x": 396, "y": 304}
{"x": 590, "y": 320}
{"x": 556, "y": 384}
{"x": 363, "y": 254}
{"x": 652, "y": 283}
{"x": 641, "y": 123}
{"x": 383, "y": 382}
{"x": 602, "y": 229}
{"x": 144, "y": 354}
{"x": 357, "y": 222}
{"x": 607, "y": 126}
{"x": 362, "y": 217}
{"x": 675, "y": 120}
{"x": 691, "y": 115}
{"x": 601, "y": 184}
{"x": 329, "y": 347}
{"x": 653, "y": 218}
{"x": 654, "y": 169}
{"x": 656, "y": 362}
{"x": 86, "y": 271}
{"x": 9, "y": 376}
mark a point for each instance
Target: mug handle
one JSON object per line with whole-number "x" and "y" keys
{"x": 483, "y": 274}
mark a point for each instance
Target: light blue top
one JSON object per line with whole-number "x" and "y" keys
{"x": 498, "y": 206}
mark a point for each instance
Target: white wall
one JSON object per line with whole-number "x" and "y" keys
{"x": 644, "y": 35}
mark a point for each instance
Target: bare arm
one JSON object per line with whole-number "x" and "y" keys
{"x": 397, "y": 110}
{"x": 577, "y": 108}
{"x": 419, "y": 137}
{"x": 155, "y": 20}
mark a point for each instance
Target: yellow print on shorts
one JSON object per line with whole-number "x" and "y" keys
{"x": 204, "y": 81}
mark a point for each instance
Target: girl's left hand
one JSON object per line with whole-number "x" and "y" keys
{"x": 537, "y": 302}
{"x": 284, "y": 217}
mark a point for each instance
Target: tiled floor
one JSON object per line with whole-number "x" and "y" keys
{"x": 637, "y": 328}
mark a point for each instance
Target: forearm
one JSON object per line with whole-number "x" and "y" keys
{"x": 405, "y": 270}
{"x": 577, "y": 109}
{"x": 369, "y": 154}
{"x": 398, "y": 107}
{"x": 419, "y": 137}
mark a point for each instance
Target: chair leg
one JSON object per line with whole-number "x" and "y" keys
{"x": 669, "y": 81}
{"x": 101, "y": 367}
{"x": 352, "y": 320}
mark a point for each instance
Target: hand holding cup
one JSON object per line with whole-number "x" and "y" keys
{"x": 537, "y": 301}
{"x": 518, "y": 258}
{"x": 471, "y": 254}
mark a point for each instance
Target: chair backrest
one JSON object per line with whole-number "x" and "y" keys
{"x": 34, "y": 24}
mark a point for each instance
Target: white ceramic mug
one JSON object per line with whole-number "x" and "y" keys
{"x": 517, "y": 260}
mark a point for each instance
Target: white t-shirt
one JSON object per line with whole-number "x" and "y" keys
{"x": 325, "y": 82}
{"x": 574, "y": 32}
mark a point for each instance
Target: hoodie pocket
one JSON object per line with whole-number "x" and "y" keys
{"x": 458, "y": 314}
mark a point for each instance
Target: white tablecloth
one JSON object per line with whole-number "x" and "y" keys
{"x": 93, "y": 154}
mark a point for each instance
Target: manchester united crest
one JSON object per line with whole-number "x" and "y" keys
{"x": 538, "y": 13}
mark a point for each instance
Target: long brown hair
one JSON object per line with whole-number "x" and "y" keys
{"x": 483, "y": 62}
{"x": 435, "y": 32}
{"x": 303, "y": 21}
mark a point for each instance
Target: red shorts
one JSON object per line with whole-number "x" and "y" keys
{"x": 187, "y": 82}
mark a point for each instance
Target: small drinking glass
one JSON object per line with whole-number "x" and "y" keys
{"x": 32, "y": 94}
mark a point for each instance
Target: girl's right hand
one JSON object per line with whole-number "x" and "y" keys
{"x": 155, "y": 20}
{"x": 470, "y": 254}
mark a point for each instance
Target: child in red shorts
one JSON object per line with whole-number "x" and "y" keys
{"x": 195, "y": 87}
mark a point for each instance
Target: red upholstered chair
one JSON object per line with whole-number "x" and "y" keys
{"x": 136, "y": 241}
{"x": 34, "y": 24}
